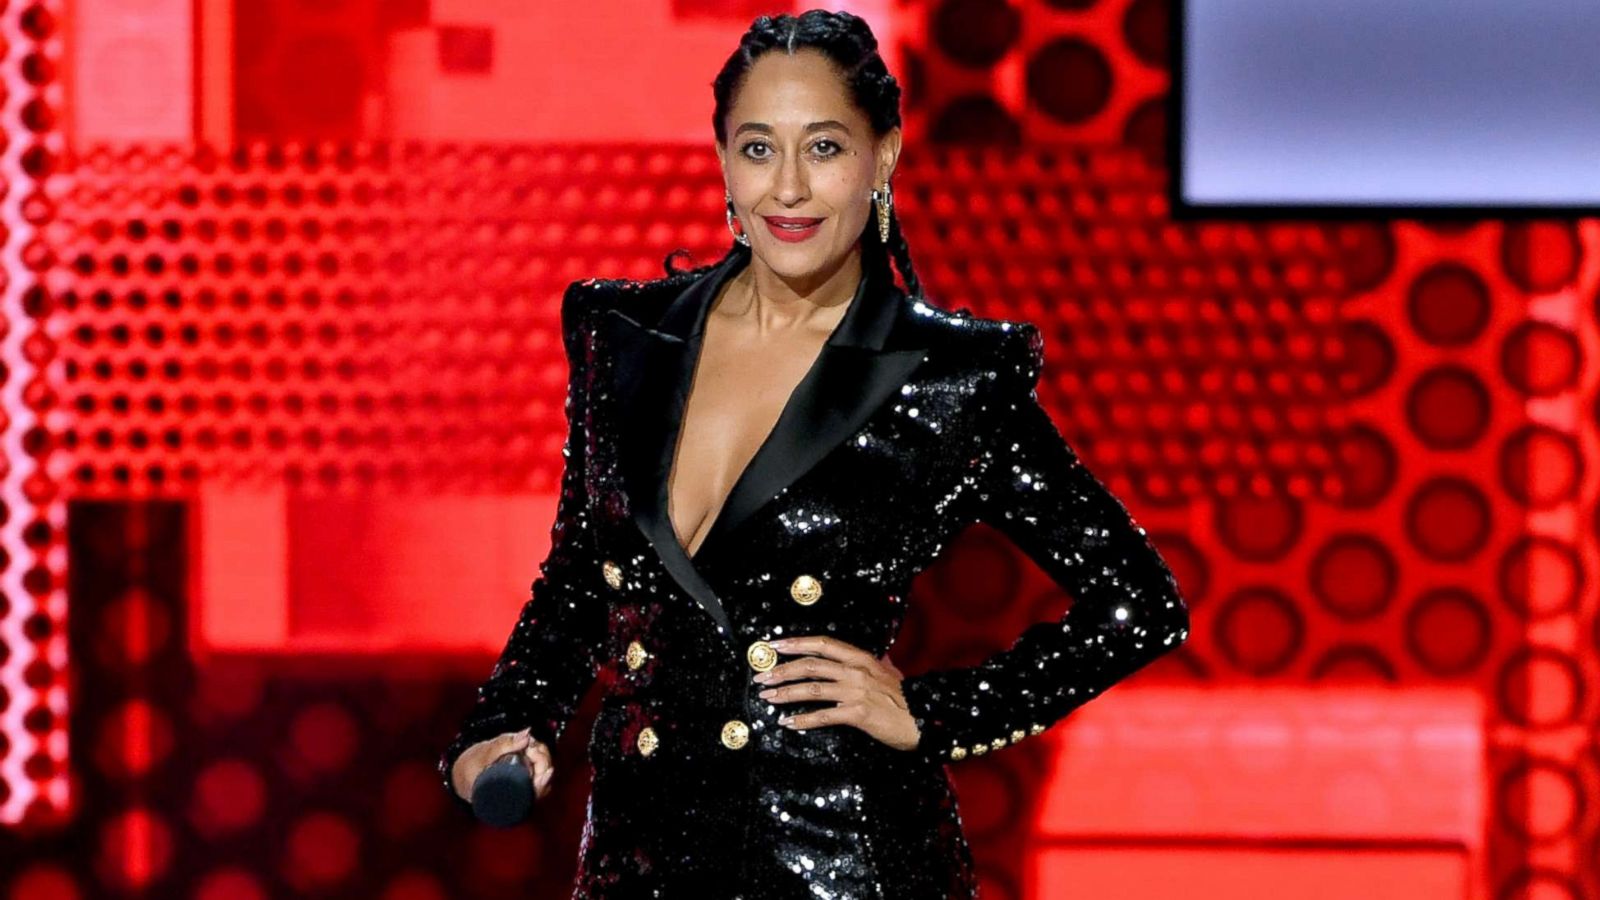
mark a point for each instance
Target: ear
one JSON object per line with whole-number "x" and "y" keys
{"x": 722, "y": 158}
{"x": 888, "y": 154}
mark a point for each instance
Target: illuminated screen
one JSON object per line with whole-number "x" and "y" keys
{"x": 1372, "y": 103}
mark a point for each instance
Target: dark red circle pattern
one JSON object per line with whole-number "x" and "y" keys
{"x": 1259, "y": 630}
{"x": 1369, "y": 357}
{"x": 1541, "y": 257}
{"x": 1541, "y": 688}
{"x": 1447, "y": 408}
{"x": 1464, "y": 457}
{"x": 1368, "y": 463}
{"x": 1541, "y": 467}
{"x": 1145, "y": 27}
{"x": 975, "y": 33}
{"x": 1347, "y": 663}
{"x": 1449, "y": 305}
{"x": 1449, "y": 632}
{"x": 1541, "y": 359}
{"x": 1069, "y": 79}
{"x": 1354, "y": 576}
{"x": 1259, "y": 528}
{"x": 1448, "y": 519}
{"x": 1541, "y": 578}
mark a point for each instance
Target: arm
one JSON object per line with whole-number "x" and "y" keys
{"x": 550, "y": 658}
{"x": 1027, "y": 482}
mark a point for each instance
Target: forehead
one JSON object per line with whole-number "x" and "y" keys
{"x": 784, "y": 89}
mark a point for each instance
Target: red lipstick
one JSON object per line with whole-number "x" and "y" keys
{"x": 792, "y": 229}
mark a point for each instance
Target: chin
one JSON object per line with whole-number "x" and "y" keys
{"x": 793, "y": 264}
{"x": 796, "y": 262}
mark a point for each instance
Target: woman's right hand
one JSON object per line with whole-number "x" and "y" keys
{"x": 534, "y": 754}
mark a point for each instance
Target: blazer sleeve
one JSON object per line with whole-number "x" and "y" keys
{"x": 552, "y": 654}
{"x": 1026, "y": 481}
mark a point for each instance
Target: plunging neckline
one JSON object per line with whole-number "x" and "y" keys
{"x": 696, "y": 351}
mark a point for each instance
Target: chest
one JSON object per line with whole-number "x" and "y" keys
{"x": 738, "y": 390}
{"x": 866, "y": 453}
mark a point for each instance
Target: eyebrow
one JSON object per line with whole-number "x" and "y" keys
{"x": 814, "y": 126}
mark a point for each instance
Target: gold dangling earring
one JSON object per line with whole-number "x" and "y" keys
{"x": 885, "y": 200}
{"x": 738, "y": 234}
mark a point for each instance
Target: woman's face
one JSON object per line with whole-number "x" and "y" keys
{"x": 798, "y": 149}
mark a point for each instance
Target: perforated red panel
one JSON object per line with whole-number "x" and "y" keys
{"x": 1460, "y": 547}
{"x": 33, "y": 653}
{"x": 374, "y": 315}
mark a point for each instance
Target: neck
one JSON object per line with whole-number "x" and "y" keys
{"x": 778, "y": 303}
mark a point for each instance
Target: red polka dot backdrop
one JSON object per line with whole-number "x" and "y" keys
{"x": 356, "y": 317}
{"x": 1468, "y": 486}
{"x": 1041, "y": 71}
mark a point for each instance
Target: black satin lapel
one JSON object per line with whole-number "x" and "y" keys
{"x": 653, "y": 373}
{"x": 643, "y": 359}
{"x": 842, "y": 390}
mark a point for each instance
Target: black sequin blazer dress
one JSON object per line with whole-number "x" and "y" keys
{"x": 912, "y": 424}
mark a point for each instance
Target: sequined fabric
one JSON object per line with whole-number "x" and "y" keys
{"x": 698, "y": 792}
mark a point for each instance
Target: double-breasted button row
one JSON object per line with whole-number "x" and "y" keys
{"x": 762, "y": 656}
{"x": 735, "y": 735}
{"x": 980, "y": 748}
{"x": 636, "y": 655}
{"x": 805, "y": 590}
{"x": 612, "y": 573}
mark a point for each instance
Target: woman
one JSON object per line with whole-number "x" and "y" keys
{"x": 737, "y": 591}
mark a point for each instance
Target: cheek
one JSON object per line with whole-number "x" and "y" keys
{"x": 848, "y": 195}
{"x": 745, "y": 190}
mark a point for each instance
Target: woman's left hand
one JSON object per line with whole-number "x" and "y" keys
{"x": 865, "y": 689}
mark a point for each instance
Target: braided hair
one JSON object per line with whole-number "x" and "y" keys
{"x": 849, "y": 44}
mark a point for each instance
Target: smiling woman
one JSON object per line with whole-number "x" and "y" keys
{"x": 762, "y": 454}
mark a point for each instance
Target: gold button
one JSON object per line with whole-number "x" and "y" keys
{"x": 980, "y": 749}
{"x": 735, "y": 734}
{"x": 805, "y": 590}
{"x": 636, "y": 654}
{"x": 997, "y": 743}
{"x": 1018, "y": 735}
{"x": 647, "y": 741}
{"x": 762, "y": 656}
{"x": 612, "y": 573}
{"x": 1035, "y": 728}
{"x": 958, "y": 753}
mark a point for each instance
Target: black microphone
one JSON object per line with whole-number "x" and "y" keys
{"x": 502, "y": 795}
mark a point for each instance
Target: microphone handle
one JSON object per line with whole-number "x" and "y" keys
{"x": 502, "y": 795}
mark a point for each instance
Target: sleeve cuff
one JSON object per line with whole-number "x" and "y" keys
{"x": 541, "y": 731}
{"x": 937, "y": 743}
{"x": 941, "y": 739}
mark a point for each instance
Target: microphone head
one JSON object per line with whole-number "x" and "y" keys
{"x": 503, "y": 794}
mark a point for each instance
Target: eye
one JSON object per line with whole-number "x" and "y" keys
{"x": 825, "y": 141}
{"x": 748, "y": 147}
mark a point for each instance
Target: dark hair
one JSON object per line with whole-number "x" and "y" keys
{"x": 849, "y": 44}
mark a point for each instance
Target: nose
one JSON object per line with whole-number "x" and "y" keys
{"x": 792, "y": 187}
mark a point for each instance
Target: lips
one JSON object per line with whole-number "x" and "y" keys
{"x": 792, "y": 228}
